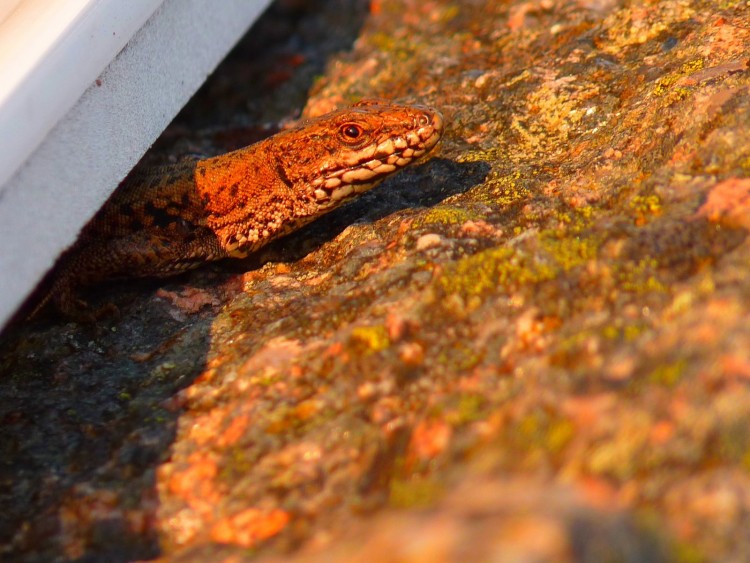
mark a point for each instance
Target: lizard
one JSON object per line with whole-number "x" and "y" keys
{"x": 173, "y": 218}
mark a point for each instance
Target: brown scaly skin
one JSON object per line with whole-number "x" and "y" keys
{"x": 174, "y": 218}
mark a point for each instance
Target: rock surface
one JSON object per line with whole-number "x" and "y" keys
{"x": 533, "y": 347}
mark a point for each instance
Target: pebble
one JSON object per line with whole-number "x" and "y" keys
{"x": 429, "y": 240}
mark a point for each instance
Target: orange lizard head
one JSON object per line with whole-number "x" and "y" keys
{"x": 350, "y": 151}
{"x": 259, "y": 193}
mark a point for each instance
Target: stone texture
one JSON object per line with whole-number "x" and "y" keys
{"x": 534, "y": 346}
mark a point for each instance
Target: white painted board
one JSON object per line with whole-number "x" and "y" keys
{"x": 86, "y": 151}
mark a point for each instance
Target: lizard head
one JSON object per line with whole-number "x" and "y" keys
{"x": 312, "y": 168}
{"x": 350, "y": 151}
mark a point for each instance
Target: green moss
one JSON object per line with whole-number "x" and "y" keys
{"x": 370, "y": 339}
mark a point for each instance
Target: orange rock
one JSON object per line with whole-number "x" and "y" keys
{"x": 195, "y": 484}
{"x": 599, "y": 493}
{"x": 728, "y": 203}
{"x": 735, "y": 366}
{"x": 249, "y": 527}
{"x": 235, "y": 430}
{"x": 662, "y": 432}
{"x": 430, "y": 438}
{"x": 207, "y": 427}
{"x": 190, "y": 300}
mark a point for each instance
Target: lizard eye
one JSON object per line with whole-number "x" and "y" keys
{"x": 423, "y": 120}
{"x": 351, "y": 131}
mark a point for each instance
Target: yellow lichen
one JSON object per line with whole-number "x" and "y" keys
{"x": 570, "y": 252}
{"x": 493, "y": 154}
{"x": 444, "y": 215}
{"x": 664, "y": 84}
{"x": 414, "y": 492}
{"x": 559, "y": 434}
{"x": 486, "y": 270}
{"x": 575, "y": 220}
{"x": 459, "y": 357}
{"x": 370, "y": 339}
{"x": 611, "y": 332}
{"x": 448, "y": 13}
{"x": 693, "y": 66}
{"x": 469, "y": 409}
{"x": 646, "y": 205}
{"x": 631, "y": 332}
{"x": 540, "y": 431}
{"x": 507, "y": 267}
{"x": 639, "y": 277}
{"x": 502, "y": 189}
{"x": 669, "y": 374}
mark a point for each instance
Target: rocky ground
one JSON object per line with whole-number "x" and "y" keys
{"x": 533, "y": 347}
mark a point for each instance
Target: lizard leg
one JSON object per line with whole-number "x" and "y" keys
{"x": 143, "y": 254}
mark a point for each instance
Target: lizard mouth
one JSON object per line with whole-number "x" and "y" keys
{"x": 371, "y": 165}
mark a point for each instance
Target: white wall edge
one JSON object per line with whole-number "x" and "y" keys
{"x": 83, "y": 158}
{"x": 50, "y": 52}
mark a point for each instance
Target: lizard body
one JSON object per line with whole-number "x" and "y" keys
{"x": 174, "y": 218}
